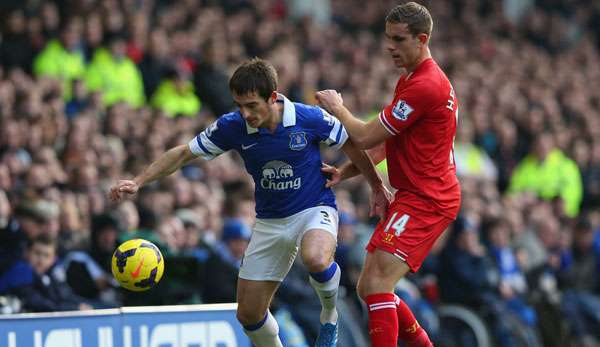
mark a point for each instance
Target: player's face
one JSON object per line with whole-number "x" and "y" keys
{"x": 404, "y": 48}
{"x": 255, "y": 110}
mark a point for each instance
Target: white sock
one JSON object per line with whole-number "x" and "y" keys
{"x": 328, "y": 293}
{"x": 267, "y": 335}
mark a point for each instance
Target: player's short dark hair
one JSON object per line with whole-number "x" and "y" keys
{"x": 416, "y": 16}
{"x": 255, "y": 75}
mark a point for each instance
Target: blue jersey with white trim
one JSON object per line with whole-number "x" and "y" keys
{"x": 286, "y": 164}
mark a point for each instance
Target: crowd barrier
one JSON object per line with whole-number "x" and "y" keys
{"x": 151, "y": 326}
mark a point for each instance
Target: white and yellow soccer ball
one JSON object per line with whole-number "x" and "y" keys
{"x": 137, "y": 265}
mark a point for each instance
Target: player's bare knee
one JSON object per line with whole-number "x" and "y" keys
{"x": 317, "y": 261}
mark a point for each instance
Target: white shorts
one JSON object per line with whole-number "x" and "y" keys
{"x": 275, "y": 242}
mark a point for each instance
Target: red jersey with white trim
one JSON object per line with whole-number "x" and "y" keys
{"x": 420, "y": 155}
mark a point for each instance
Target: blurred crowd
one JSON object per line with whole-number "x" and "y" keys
{"x": 92, "y": 91}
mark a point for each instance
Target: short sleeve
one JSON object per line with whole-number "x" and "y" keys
{"x": 330, "y": 130}
{"x": 409, "y": 105}
{"x": 213, "y": 141}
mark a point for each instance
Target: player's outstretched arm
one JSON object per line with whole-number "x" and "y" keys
{"x": 166, "y": 164}
{"x": 365, "y": 135}
{"x": 380, "y": 196}
{"x": 349, "y": 170}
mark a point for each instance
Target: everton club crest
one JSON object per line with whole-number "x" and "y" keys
{"x": 298, "y": 141}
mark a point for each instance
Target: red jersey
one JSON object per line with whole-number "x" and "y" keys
{"x": 420, "y": 155}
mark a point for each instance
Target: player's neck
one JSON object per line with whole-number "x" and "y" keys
{"x": 425, "y": 54}
{"x": 276, "y": 116}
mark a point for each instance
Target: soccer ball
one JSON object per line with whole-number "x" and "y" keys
{"x": 137, "y": 265}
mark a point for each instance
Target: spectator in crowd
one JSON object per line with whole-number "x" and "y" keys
{"x": 175, "y": 95}
{"x": 581, "y": 299}
{"x": 115, "y": 74}
{"x": 40, "y": 282}
{"x": 220, "y": 286}
{"x": 472, "y": 161}
{"x": 469, "y": 276}
{"x": 62, "y": 59}
{"x": 16, "y": 50}
{"x": 26, "y": 223}
{"x": 513, "y": 285}
{"x": 549, "y": 173}
{"x": 89, "y": 273}
{"x": 155, "y": 62}
{"x": 210, "y": 78}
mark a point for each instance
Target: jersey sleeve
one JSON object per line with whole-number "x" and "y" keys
{"x": 409, "y": 105}
{"x": 330, "y": 130}
{"x": 214, "y": 140}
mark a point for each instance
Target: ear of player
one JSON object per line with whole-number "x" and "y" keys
{"x": 137, "y": 265}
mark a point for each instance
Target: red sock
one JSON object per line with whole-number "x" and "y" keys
{"x": 383, "y": 321}
{"x": 409, "y": 330}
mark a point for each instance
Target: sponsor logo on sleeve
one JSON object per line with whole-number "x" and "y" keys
{"x": 401, "y": 110}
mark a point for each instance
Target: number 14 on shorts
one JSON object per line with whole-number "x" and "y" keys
{"x": 398, "y": 223}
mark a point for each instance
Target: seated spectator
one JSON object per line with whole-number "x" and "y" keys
{"x": 513, "y": 285}
{"x": 220, "y": 285}
{"x": 89, "y": 273}
{"x": 468, "y": 276}
{"x": 26, "y": 223}
{"x": 581, "y": 299}
{"x": 40, "y": 282}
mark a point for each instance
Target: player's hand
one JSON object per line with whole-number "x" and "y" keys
{"x": 334, "y": 175}
{"x": 330, "y": 99}
{"x": 117, "y": 191}
{"x": 380, "y": 201}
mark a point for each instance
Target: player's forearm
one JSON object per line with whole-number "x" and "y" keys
{"x": 166, "y": 164}
{"x": 356, "y": 128}
{"x": 348, "y": 170}
{"x": 360, "y": 162}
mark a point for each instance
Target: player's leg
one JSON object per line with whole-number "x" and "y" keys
{"x": 254, "y": 298}
{"x": 267, "y": 260}
{"x": 389, "y": 317}
{"x": 317, "y": 248}
{"x": 398, "y": 245}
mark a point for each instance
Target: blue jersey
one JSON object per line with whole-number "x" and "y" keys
{"x": 286, "y": 164}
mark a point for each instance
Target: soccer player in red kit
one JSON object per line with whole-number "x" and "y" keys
{"x": 415, "y": 133}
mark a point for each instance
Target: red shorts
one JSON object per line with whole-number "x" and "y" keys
{"x": 408, "y": 233}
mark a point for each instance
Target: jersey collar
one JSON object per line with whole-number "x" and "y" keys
{"x": 289, "y": 114}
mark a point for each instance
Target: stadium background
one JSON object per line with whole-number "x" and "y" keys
{"x": 92, "y": 90}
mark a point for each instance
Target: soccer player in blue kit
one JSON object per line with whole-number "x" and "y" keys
{"x": 279, "y": 142}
